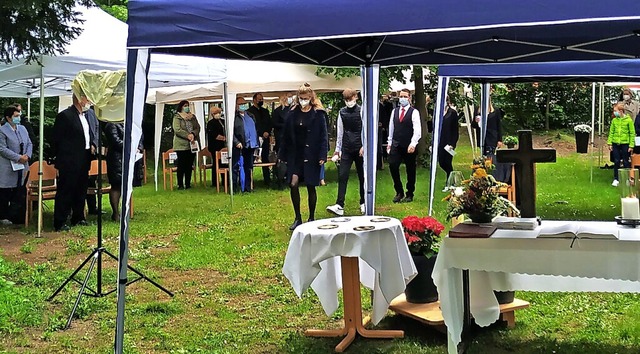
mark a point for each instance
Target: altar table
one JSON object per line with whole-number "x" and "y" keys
{"x": 517, "y": 260}
{"x": 328, "y": 259}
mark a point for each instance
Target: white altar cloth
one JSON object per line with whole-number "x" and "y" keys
{"x": 313, "y": 259}
{"x": 517, "y": 260}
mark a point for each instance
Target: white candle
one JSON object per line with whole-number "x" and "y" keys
{"x": 630, "y": 208}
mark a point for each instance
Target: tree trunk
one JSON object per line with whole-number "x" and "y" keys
{"x": 546, "y": 113}
{"x": 421, "y": 102}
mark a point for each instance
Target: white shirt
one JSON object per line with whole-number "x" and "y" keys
{"x": 417, "y": 128}
{"x": 85, "y": 130}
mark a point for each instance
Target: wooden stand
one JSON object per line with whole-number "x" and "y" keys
{"x": 353, "y": 321}
{"x": 430, "y": 313}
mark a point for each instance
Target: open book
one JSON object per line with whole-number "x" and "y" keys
{"x": 579, "y": 230}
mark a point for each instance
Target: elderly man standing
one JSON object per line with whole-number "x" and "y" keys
{"x": 263, "y": 127}
{"x": 74, "y": 142}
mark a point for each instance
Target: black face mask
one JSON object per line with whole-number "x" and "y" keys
{"x": 260, "y": 103}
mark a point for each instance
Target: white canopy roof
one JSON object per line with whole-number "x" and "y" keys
{"x": 102, "y": 46}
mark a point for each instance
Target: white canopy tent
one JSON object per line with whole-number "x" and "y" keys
{"x": 243, "y": 77}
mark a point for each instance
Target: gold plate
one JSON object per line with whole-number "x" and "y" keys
{"x": 381, "y": 219}
{"x": 327, "y": 226}
{"x": 364, "y": 228}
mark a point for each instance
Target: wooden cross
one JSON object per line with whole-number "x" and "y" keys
{"x": 524, "y": 157}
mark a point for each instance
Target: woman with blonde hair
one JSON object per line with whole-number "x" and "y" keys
{"x": 304, "y": 148}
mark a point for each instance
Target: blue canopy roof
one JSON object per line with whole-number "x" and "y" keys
{"x": 574, "y": 71}
{"x": 355, "y": 32}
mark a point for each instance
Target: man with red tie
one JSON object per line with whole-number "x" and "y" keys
{"x": 404, "y": 134}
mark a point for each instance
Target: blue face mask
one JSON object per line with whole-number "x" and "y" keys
{"x": 243, "y": 107}
{"x": 16, "y": 120}
{"x": 617, "y": 114}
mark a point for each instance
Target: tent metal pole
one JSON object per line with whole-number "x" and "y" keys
{"x": 29, "y": 105}
{"x": 40, "y": 150}
{"x": 229, "y": 116}
{"x": 370, "y": 119}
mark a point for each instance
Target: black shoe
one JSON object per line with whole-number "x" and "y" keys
{"x": 187, "y": 187}
{"x": 398, "y": 198}
{"x": 95, "y": 212}
{"x": 295, "y": 224}
{"x": 63, "y": 228}
{"x": 180, "y": 188}
{"x": 407, "y": 199}
{"x": 80, "y": 223}
{"x": 311, "y": 219}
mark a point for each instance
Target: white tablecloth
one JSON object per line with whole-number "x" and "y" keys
{"x": 313, "y": 259}
{"x": 517, "y": 260}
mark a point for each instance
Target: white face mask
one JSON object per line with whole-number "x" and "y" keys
{"x": 626, "y": 97}
{"x": 351, "y": 104}
{"x": 304, "y": 103}
{"x": 86, "y": 107}
{"x": 289, "y": 100}
{"x": 404, "y": 101}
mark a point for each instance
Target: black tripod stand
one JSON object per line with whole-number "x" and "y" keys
{"x": 96, "y": 258}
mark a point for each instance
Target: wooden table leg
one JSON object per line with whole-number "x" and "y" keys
{"x": 353, "y": 321}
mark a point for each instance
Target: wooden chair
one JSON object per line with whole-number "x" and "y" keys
{"x": 635, "y": 161}
{"x": 205, "y": 162}
{"x": 167, "y": 168}
{"x": 509, "y": 191}
{"x": 49, "y": 174}
{"x": 93, "y": 171}
{"x": 221, "y": 171}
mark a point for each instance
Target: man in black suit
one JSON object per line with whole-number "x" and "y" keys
{"x": 263, "y": 126}
{"x": 449, "y": 134}
{"x": 75, "y": 140}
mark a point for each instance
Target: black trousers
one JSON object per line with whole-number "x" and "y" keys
{"x": 445, "y": 160}
{"x": 6, "y": 196}
{"x": 266, "y": 149}
{"x": 347, "y": 159}
{"x": 184, "y": 165}
{"x": 398, "y": 155}
{"x": 71, "y": 193}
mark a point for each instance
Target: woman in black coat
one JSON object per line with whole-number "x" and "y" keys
{"x": 304, "y": 148}
{"x": 114, "y": 133}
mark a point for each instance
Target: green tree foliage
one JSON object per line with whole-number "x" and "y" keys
{"x": 116, "y": 8}
{"x": 37, "y": 27}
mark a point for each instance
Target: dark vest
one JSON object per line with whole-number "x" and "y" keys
{"x": 402, "y": 131}
{"x": 352, "y": 128}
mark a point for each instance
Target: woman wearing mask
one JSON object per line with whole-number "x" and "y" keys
{"x": 304, "y": 148}
{"x": 245, "y": 141}
{"x": 15, "y": 152}
{"x": 114, "y": 133}
{"x": 216, "y": 139}
{"x": 185, "y": 131}
{"x": 621, "y": 139}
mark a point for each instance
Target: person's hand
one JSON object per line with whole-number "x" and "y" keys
{"x": 630, "y": 149}
{"x": 265, "y": 135}
{"x": 361, "y": 153}
{"x": 93, "y": 150}
{"x": 499, "y": 144}
{"x": 23, "y": 159}
{"x": 477, "y": 119}
{"x": 239, "y": 146}
{"x": 610, "y": 148}
{"x": 411, "y": 149}
{"x": 321, "y": 162}
{"x": 388, "y": 149}
{"x": 190, "y": 137}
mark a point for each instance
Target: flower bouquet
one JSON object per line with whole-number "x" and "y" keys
{"x": 478, "y": 197}
{"x": 510, "y": 140}
{"x": 582, "y": 128}
{"x": 422, "y": 235}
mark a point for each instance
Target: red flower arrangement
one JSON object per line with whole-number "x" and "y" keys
{"x": 422, "y": 235}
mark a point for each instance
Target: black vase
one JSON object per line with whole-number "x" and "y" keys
{"x": 505, "y": 297}
{"x": 421, "y": 289}
{"x": 582, "y": 142}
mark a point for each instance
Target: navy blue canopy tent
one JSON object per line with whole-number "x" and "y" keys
{"x": 568, "y": 71}
{"x": 365, "y": 33}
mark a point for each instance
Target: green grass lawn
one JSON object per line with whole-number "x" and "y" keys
{"x": 225, "y": 266}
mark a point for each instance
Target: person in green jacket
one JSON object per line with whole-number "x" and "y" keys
{"x": 621, "y": 139}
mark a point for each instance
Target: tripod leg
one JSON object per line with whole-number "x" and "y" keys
{"x": 142, "y": 275}
{"x": 81, "y": 292}
{"x": 92, "y": 255}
